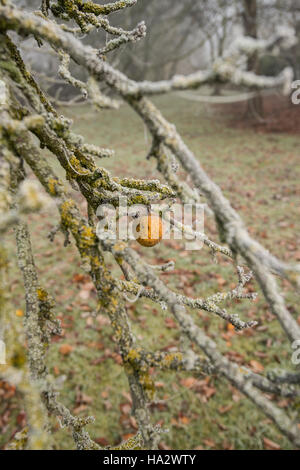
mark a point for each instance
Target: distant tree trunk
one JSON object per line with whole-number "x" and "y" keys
{"x": 255, "y": 105}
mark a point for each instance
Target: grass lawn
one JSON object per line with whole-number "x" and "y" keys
{"x": 260, "y": 174}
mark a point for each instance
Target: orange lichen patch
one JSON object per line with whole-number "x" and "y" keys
{"x": 19, "y": 313}
{"x": 150, "y": 230}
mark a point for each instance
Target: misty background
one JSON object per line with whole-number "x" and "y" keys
{"x": 182, "y": 36}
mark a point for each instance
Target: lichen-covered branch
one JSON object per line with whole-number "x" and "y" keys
{"x": 243, "y": 381}
{"x": 209, "y": 305}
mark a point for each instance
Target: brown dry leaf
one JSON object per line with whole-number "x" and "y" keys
{"x": 170, "y": 323}
{"x": 209, "y": 391}
{"x": 86, "y": 399}
{"x": 159, "y": 406}
{"x": 261, "y": 354}
{"x": 79, "y": 409}
{"x": 88, "y": 286}
{"x": 163, "y": 446}
{"x": 235, "y": 356}
{"x": 127, "y": 396}
{"x": 188, "y": 382}
{"x": 283, "y": 403}
{"x": 65, "y": 349}
{"x": 125, "y": 408}
{"x": 227, "y": 445}
{"x": 10, "y": 392}
{"x": 221, "y": 282}
{"x": 256, "y": 366}
{"x": 21, "y": 419}
{"x": 224, "y": 409}
{"x": 124, "y": 421}
{"x": 7, "y": 390}
{"x": 270, "y": 445}
{"x": 125, "y": 437}
{"x": 89, "y": 321}
{"x": 102, "y": 320}
{"x": 84, "y": 294}
{"x": 236, "y": 396}
{"x": 263, "y": 234}
{"x": 184, "y": 420}
{"x": 160, "y": 384}
{"x": 209, "y": 442}
{"x": 85, "y": 308}
{"x": 107, "y": 405}
{"x": 221, "y": 426}
{"x": 96, "y": 345}
{"x": 174, "y": 422}
{"x": 102, "y": 441}
{"x": 133, "y": 422}
{"x": 104, "y": 394}
{"x": 79, "y": 278}
{"x": 117, "y": 358}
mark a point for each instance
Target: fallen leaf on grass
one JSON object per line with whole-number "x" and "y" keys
{"x": 184, "y": 420}
{"x": 160, "y": 384}
{"x": 65, "y": 349}
{"x": 256, "y": 366}
{"x": 125, "y": 408}
{"x": 188, "y": 382}
{"x": 270, "y": 445}
{"x": 102, "y": 441}
{"x": 79, "y": 409}
{"x": 209, "y": 442}
{"x": 125, "y": 437}
{"x": 127, "y": 396}
{"x": 133, "y": 422}
{"x": 227, "y": 445}
{"x": 86, "y": 399}
{"x": 80, "y": 278}
{"x": 84, "y": 294}
{"x": 21, "y": 419}
{"x": 170, "y": 323}
{"x": 163, "y": 446}
{"x": 224, "y": 409}
{"x": 102, "y": 320}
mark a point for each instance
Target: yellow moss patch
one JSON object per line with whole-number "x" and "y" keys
{"x": 66, "y": 213}
{"x": 18, "y": 359}
{"x": 52, "y": 186}
{"x": 88, "y": 236}
{"x": 42, "y": 294}
{"x": 76, "y": 166}
{"x": 132, "y": 355}
{"x": 172, "y": 357}
{"x": 147, "y": 384}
